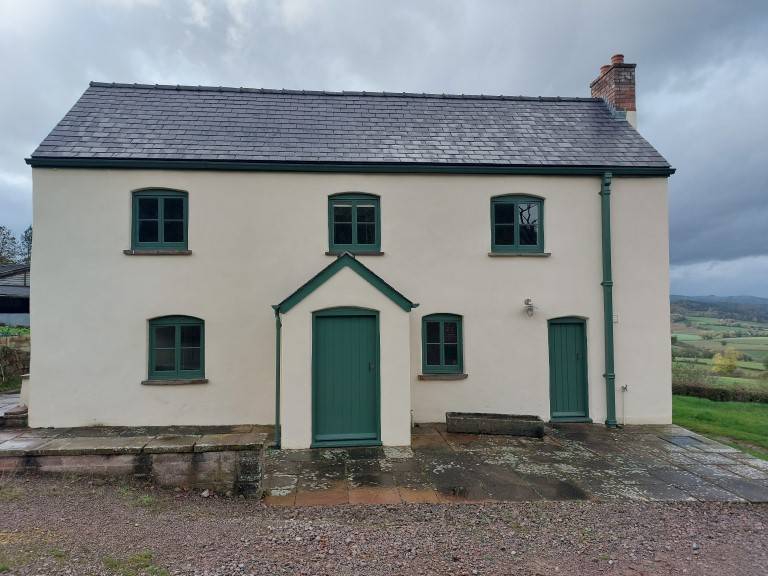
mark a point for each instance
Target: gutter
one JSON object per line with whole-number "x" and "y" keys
{"x": 341, "y": 167}
{"x": 607, "y": 284}
{"x": 278, "y": 331}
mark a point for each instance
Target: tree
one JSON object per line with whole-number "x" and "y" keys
{"x": 725, "y": 363}
{"x": 9, "y": 246}
{"x": 25, "y": 246}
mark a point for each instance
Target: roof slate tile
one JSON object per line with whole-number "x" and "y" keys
{"x": 238, "y": 124}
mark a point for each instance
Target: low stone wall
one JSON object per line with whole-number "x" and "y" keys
{"x": 502, "y": 424}
{"x": 226, "y": 463}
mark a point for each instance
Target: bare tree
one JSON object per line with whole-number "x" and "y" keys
{"x": 25, "y": 246}
{"x": 9, "y": 246}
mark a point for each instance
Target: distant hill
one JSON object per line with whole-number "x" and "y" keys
{"x": 749, "y": 308}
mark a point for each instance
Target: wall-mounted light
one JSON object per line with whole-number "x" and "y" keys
{"x": 529, "y": 307}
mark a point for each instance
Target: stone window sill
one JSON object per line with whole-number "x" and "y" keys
{"x": 157, "y": 252}
{"x": 174, "y": 382}
{"x": 443, "y": 376}
{"x": 355, "y": 254}
{"x": 520, "y": 254}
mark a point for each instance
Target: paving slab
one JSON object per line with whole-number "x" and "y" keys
{"x": 171, "y": 444}
{"x": 99, "y": 445}
{"x": 21, "y": 446}
{"x": 230, "y": 442}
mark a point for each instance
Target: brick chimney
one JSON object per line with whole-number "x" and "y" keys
{"x": 616, "y": 85}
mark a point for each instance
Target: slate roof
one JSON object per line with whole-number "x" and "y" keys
{"x": 118, "y": 122}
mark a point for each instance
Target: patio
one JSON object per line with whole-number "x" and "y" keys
{"x": 572, "y": 462}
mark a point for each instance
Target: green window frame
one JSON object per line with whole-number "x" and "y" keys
{"x": 354, "y": 223}
{"x": 159, "y": 220}
{"x": 176, "y": 348}
{"x": 517, "y": 223}
{"x": 442, "y": 344}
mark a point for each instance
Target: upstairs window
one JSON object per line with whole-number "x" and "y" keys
{"x": 517, "y": 224}
{"x": 159, "y": 220}
{"x": 176, "y": 348}
{"x": 354, "y": 223}
{"x": 442, "y": 346}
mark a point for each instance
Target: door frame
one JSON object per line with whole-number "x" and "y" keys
{"x": 339, "y": 311}
{"x": 585, "y": 367}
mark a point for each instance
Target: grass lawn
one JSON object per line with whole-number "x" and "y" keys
{"x": 11, "y": 385}
{"x": 740, "y": 424}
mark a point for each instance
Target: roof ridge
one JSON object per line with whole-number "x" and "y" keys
{"x": 343, "y": 93}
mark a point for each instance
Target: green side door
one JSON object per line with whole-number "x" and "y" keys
{"x": 345, "y": 388}
{"x": 568, "y": 370}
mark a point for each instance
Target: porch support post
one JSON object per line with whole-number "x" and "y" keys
{"x": 278, "y": 331}
{"x": 607, "y": 283}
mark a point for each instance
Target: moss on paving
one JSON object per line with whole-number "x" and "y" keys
{"x": 742, "y": 423}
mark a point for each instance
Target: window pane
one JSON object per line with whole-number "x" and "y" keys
{"x": 147, "y": 208}
{"x": 366, "y": 214}
{"x": 433, "y": 354}
{"x": 433, "y": 332}
{"x": 173, "y": 208}
{"x": 529, "y": 224}
{"x": 505, "y": 234}
{"x": 165, "y": 360}
{"x": 366, "y": 233}
{"x": 165, "y": 336}
{"x": 148, "y": 231}
{"x": 342, "y": 213}
{"x": 342, "y": 233}
{"x": 190, "y": 336}
{"x": 504, "y": 213}
{"x": 173, "y": 231}
{"x": 451, "y": 354}
{"x": 190, "y": 359}
{"x": 450, "y": 330}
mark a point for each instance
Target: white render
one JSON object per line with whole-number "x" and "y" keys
{"x": 91, "y": 303}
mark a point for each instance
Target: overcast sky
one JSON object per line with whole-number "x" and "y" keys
{"x": 702, "y": 83}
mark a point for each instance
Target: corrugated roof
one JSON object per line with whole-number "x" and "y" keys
{"x": 112, "y": 122}
{"x": 11, "y": 269}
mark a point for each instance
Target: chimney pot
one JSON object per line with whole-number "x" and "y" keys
{"x": 616, "y": 85}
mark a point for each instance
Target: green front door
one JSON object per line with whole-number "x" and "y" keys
{"x": 568, "y": 370}
{"x": 345, "y": 372}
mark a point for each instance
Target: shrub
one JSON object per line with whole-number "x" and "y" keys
{"x": 13, "y": 362}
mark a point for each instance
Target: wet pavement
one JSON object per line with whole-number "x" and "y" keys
{"x": 572, "y": 462}
{"x": 8, "y": 401}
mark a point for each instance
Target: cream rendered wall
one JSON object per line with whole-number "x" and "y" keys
{"x": 641, "y": 298}
{"x": 345, "y": 288}
{"x": 256, "y": 237}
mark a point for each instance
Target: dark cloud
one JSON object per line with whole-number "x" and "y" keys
{"x": 702, "y": 80}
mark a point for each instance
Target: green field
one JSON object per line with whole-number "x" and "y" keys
{"x": 683, "y": 337}
{"x": 741, "y": 424}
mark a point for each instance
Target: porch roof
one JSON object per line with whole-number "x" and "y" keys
{"x": 345, "y": 260}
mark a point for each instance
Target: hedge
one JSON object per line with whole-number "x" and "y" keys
{"x": 730, "y": 394}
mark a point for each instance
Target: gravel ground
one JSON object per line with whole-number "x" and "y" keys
{"x": 81, "y": 527}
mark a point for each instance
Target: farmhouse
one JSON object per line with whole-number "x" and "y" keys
{"x": 344, "y": 264}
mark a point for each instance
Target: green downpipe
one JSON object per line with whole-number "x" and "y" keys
{"x": 278, "y": 331}
{"x": 607, "y": 283}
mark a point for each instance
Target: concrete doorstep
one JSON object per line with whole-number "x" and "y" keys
{"x": 224, "y": 459}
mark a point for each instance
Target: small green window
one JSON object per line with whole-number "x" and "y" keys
{"x": 517, "y": 224}
{"x": 442, "y": 344}
{"x": 159, "y": 220}
{"x": 354, "y": 223}
{"x": 176, "y": 348}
